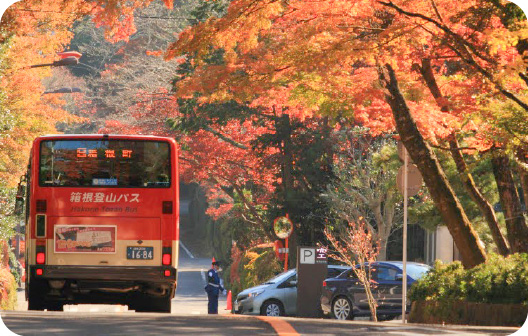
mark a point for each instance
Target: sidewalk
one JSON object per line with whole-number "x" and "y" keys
{"x": 465, "y": 328}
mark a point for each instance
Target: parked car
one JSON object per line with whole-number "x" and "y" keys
{"x": 344, "y": 297}
{"x": 277, "y": 296}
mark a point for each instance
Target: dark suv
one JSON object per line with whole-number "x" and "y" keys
{"x": 344, "y": 296}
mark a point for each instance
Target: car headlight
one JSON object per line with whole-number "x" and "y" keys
{"x": 255, "y": 294}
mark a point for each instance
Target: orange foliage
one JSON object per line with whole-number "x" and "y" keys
{"x": 322, "y": 57}
{"x": 35, "y": 31}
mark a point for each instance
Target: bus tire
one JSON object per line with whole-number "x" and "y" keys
{"x": 148, "y": 303}
{"x": 56, "y": 306}
{"x": 155, "y": 304}
{"x": 161, "y": 304}
{"x": 36, "y": 300}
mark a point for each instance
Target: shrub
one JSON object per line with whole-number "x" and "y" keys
{"x": 499, "y": 280}
{"x": 442, "y": 282}
{"x": 8, "y": 290}
{"x": 8, "y": 284}
{"x": 254, "y": 267}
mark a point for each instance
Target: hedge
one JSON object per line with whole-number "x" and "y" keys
{"x": 499, "y": 280}
{"x": 449, "y": 293}
{"x": 468, "y": 313}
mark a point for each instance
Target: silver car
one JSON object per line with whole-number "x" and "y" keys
{"x": 277, "y": 296}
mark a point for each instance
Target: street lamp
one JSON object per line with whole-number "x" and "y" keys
{"x": 67, "y": 58}
{"x": 70, "y": 60}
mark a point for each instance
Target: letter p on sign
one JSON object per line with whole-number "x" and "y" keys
{"x": 307, "y": 256}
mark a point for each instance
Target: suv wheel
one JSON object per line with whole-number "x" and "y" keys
{"x": 342, "y": 308}
{"x": 272, "y": 308}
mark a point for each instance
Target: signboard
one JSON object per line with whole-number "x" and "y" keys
{"x": 85, "y": 239}
{"x": 311, "y": 271}
{"x": 313, "y": 255}
{"x": 414, "y": 180}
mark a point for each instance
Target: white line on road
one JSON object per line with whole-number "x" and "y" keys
{"x": 186, "y": 250}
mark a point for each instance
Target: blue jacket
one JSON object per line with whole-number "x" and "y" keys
{"x": 213, "y": 283}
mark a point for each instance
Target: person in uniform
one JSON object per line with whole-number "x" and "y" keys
{"x": 213, "y": 288}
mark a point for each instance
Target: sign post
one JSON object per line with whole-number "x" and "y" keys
{"x": 311, "y": 272}
{"x": 405, "y": 201}
{"x": 409, "y": 181}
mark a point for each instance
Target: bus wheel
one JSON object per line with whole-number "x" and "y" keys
{"x": 36, "y": 300}
{"x": 160, "y": 304}
{"x": 148, "y": 303}
{"x": 56, "y": 307}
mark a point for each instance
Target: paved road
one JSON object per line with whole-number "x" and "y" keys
{"x": 130, "y": 323}
{"x": 189, "y": 308}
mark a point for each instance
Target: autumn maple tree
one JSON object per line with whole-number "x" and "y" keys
{"x": 355, "y": 58}
{"x": 32, "y": 33}
{"x": 255, "y": 92}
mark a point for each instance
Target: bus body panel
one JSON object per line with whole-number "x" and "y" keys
{"x": 110, "y": 235}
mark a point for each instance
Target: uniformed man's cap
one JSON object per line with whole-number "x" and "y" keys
{"x": 216, "y": 263}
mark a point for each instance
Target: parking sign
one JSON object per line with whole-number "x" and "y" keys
{"x": 307, "y": 255}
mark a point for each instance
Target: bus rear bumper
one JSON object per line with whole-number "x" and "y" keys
{"x": 141, "y": 288}
{"x": 117, "y": 273}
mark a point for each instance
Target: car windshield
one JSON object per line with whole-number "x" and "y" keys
{"x": 417, "y": 271}
{"x": 334, "y": 272}
{"x": 281, "y": 277}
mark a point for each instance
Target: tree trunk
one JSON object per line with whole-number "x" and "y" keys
{"x": 523, "y": 174}
{"x": 511, "y": 205}
{"x": 284, "y": 128}
{"x": 522, "y": 156}
{"x": 382, "y": 255}
{"x": 465, "y": 237}
{"x": 477, "y": 197}
{"x": 485, "y": 207}
{"x": 287, "y": 166}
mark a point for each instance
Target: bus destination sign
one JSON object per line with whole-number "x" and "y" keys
{"x": 108, "y": 153}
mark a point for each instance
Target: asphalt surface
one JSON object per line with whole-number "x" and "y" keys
{"x": 189, "y": 317}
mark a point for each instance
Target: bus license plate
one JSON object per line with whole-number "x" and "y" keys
{"x": 140, "y": 252}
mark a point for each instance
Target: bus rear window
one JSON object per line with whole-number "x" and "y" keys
{"x": 105, "y": 163}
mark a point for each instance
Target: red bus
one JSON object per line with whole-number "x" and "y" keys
{"x": 102, "y": 221}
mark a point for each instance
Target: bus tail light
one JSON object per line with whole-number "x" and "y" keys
{"x": 39, "y": 271}
{"x": 41, "y": 258}
{"x": 41, "y": 253}
{"x": 166, "y": 258}
{"x": 167, "y": 273}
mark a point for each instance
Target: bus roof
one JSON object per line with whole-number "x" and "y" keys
{"x": 103, "y": 136}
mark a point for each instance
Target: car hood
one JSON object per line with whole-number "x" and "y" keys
{"x": 253, "y": 289}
